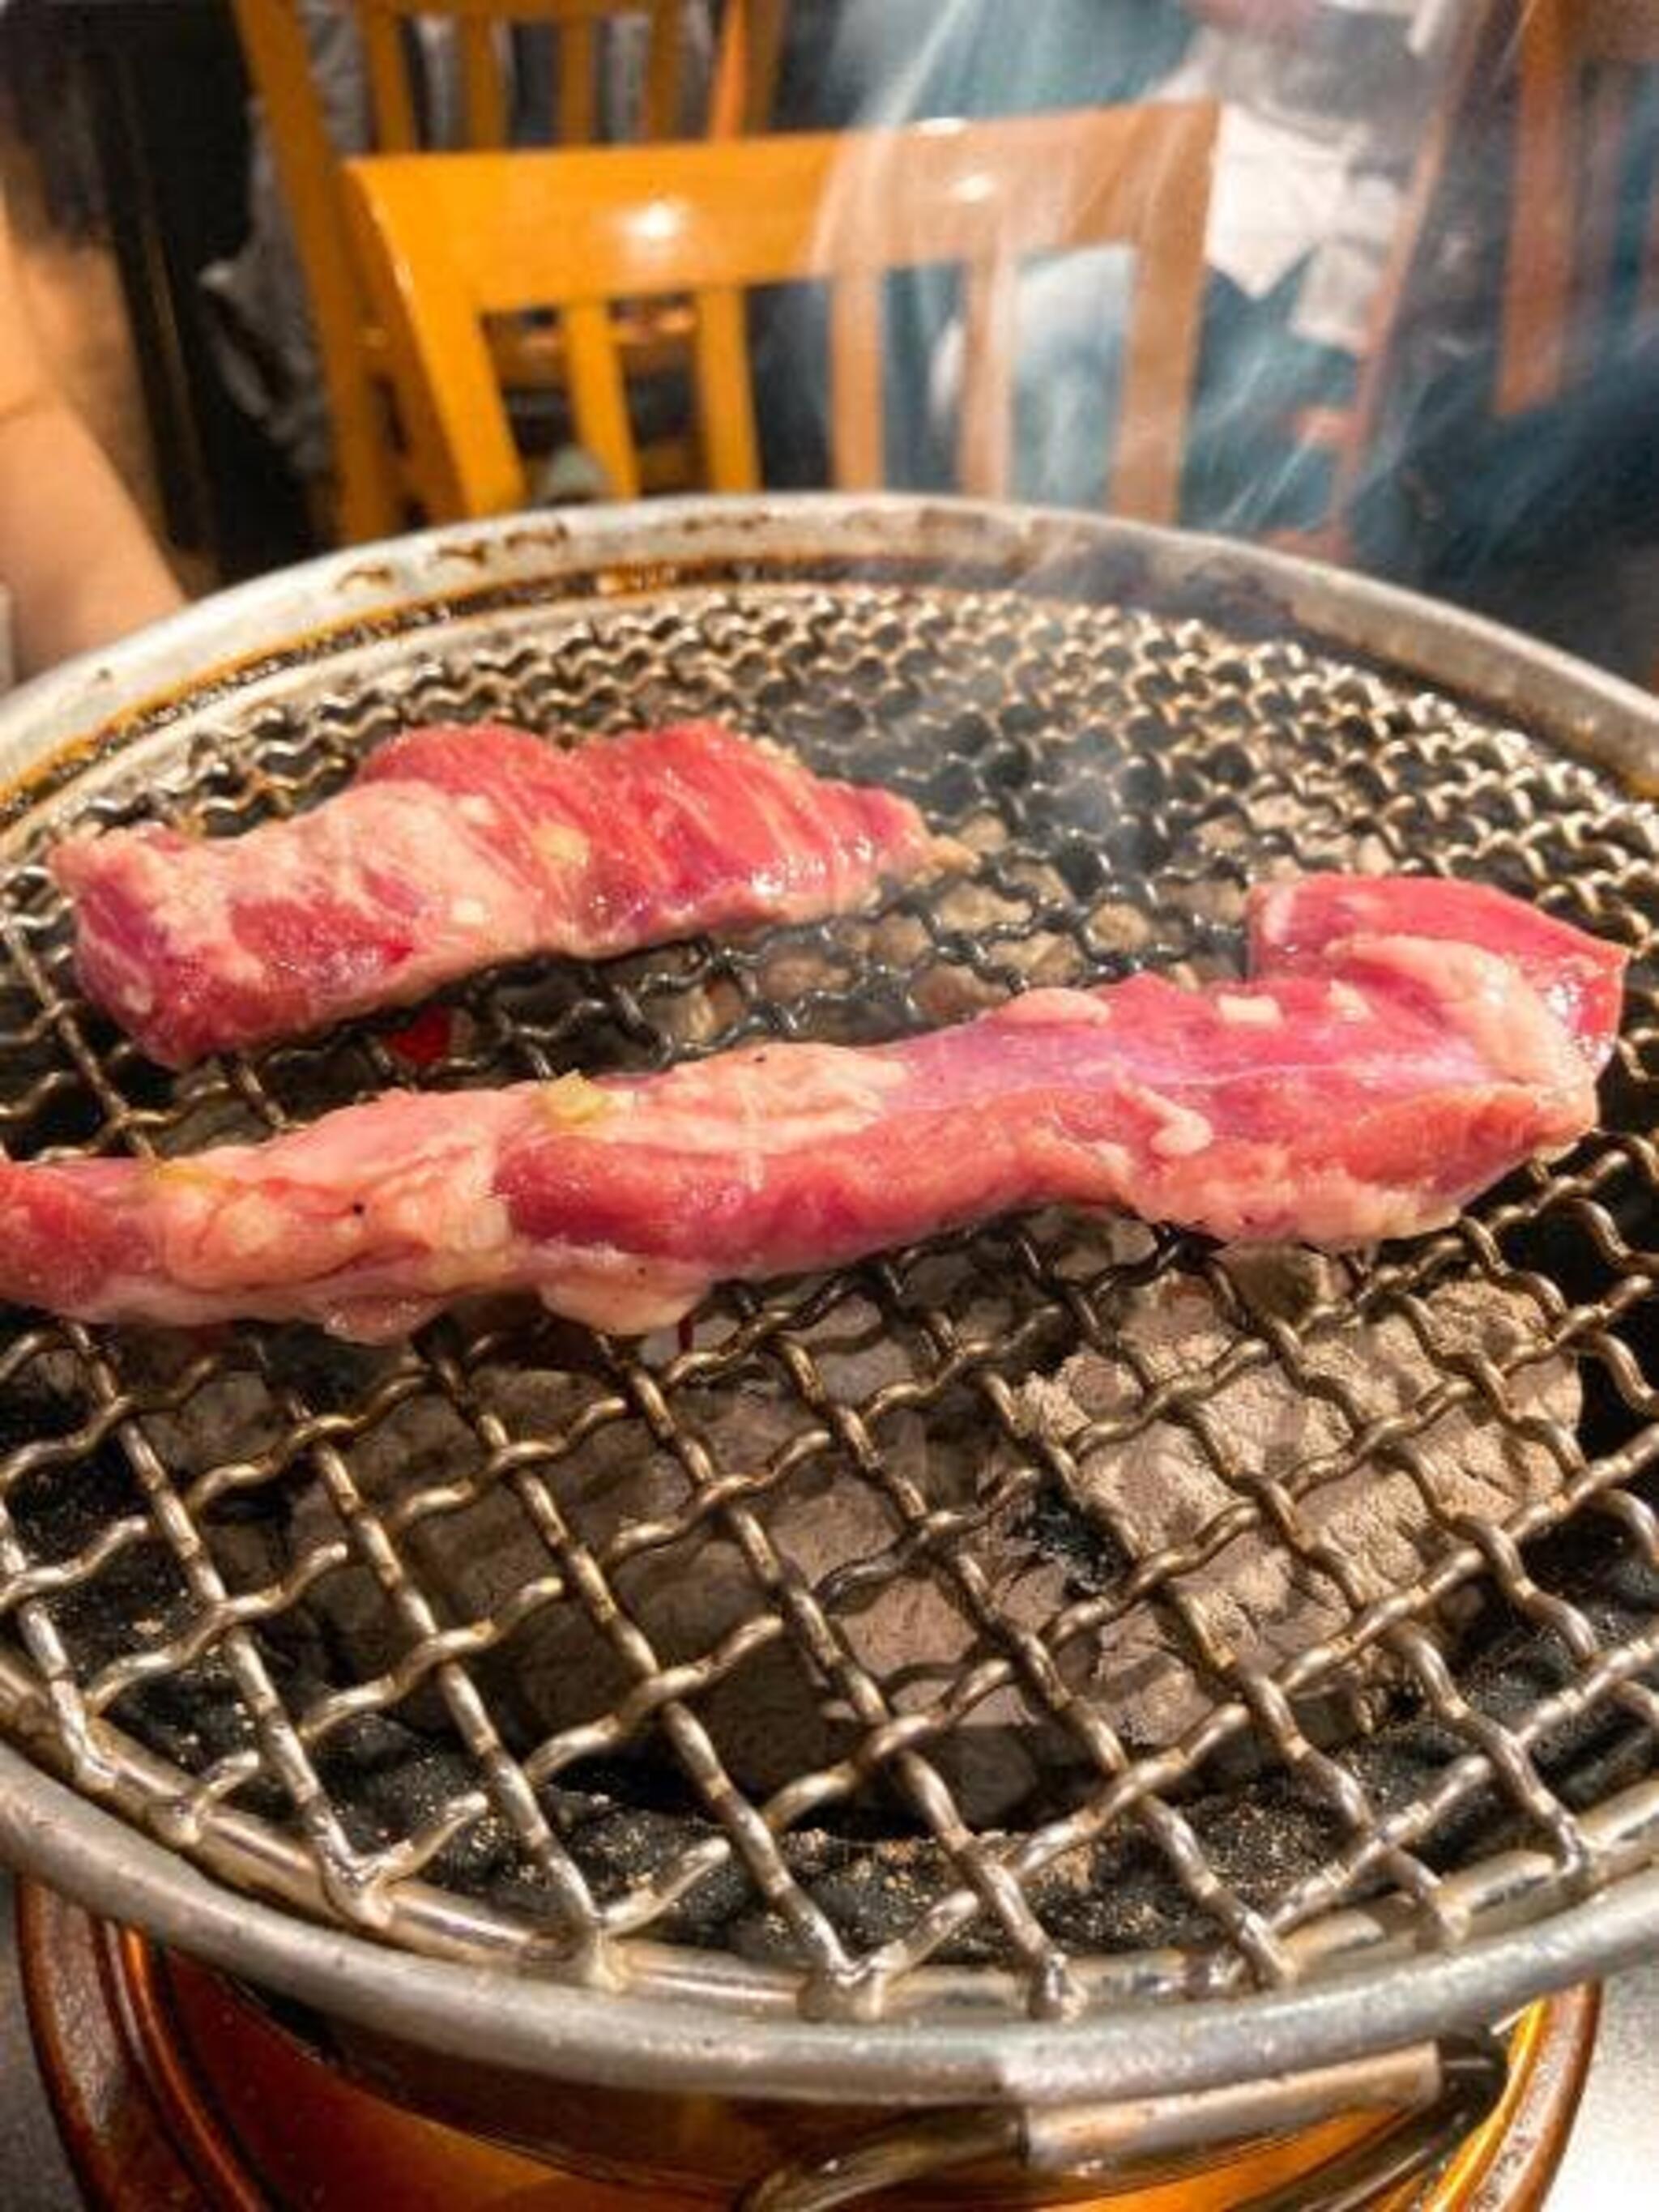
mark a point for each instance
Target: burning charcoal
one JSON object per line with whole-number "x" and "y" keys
{"x": 897, "y": 1617}
{"x": 1005, "y": 925}
{"x": 792, "y": 968}
{"x": 1260, "y": 1599}
{"x": 1326, "y": 837}
{"x": 686, "y": 1005}
{"x": 899, "y": 1614}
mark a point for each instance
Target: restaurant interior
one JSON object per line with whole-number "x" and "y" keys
{"x": 213, "y": 270}
{"x": 1367, "y": 284}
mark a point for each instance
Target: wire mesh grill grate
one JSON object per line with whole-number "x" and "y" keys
{"x": 1070, "y": 1598}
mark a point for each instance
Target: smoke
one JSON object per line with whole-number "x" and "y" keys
{"x": 1332, "y": 143}
{"x": 1547, "y": 517}
{"x": 878, "y": 64}
{"x": 888, "y": 64}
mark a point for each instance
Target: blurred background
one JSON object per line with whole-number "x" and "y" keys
{"x": 1375, "y": 281}
{"x": 1429, "y": 317}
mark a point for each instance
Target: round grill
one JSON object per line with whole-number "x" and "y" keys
{"x": 1058, "y": 1620}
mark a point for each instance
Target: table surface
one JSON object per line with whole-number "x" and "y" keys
{"x": 1610, "y": 2163}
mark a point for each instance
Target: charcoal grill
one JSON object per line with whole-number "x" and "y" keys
{"x": 372, "y": 1677}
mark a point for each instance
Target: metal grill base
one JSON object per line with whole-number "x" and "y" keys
{"x": 224, "y": 2108}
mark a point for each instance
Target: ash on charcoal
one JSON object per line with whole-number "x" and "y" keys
{"x": 1364, "y": 1528}
{"x": 680, "y": 1569}
{"x": 768, "y": 1509}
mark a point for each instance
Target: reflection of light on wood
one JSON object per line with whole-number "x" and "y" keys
{"x": 660, "y": 220}
{"x": 440, "y": 241}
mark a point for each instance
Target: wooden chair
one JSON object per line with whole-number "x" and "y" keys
{"x": 1577, "y": 64}
{"x": 449, "y": 241}
{"x": 739, "y": 93}
{"x": 371, "y": 492}
{"x": 1351, "y": 434}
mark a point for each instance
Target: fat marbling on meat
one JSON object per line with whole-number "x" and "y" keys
{"x": 1403, "y": 1043}
{"x": 457, "y": 848}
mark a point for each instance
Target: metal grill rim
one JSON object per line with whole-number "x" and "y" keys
{"x": 334, "y": 1878}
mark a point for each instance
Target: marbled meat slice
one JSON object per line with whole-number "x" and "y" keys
{"x": 1362, "y": 1090}
{"x": 456, "y": 847}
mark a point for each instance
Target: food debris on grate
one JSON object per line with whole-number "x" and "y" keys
{"x": 1067, "y": 1592}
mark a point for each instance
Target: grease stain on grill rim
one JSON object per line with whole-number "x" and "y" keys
{"x": 825, "y": 1939}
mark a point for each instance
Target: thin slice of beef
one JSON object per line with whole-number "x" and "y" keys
{"x": 456, "y": 849}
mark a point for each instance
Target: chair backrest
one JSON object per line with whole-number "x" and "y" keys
{"x": 371, "y": 500}
{"x": 1572, "y": 167}
{"x": 485, "y": 79}
{"x": 1356, "y": 434}
{"x": 449, "y": 240}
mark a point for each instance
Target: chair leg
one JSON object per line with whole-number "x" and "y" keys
{"x": 367, "y": 502}
{"x": 1537, "y": 286}
{"x": 1603, "y": 151}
